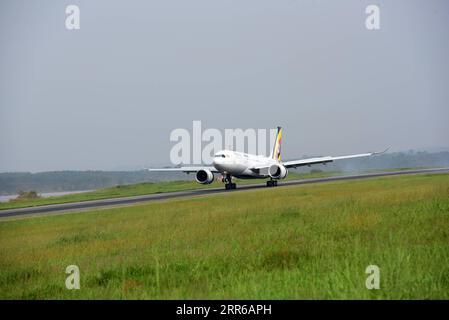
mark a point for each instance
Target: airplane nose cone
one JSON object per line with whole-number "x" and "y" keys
{"x": 217, "y": 163}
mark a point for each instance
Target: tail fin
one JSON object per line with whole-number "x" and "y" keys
{"x": 276, "y": 152}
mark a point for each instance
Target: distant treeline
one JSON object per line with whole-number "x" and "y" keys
{"x": 54, "y": 181}
{"x": 12, "y": 183}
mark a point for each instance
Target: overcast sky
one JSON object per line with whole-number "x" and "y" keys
{"x": 108, "y": 95}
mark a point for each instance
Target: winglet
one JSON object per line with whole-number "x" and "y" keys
{"x": 380, "y": 152}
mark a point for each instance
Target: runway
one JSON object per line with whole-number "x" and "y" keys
{"x": 91, "y": 204}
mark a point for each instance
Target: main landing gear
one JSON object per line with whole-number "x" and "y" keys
{"x": 272, "y": 183}
{"x": 227, "y": 179}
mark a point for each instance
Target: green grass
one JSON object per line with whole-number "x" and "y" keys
{"x": 308, "y": 241}
{"x": 141, "y": 189}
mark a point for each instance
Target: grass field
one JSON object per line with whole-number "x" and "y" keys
{"x": 308, "y": 241}
{"x": 141, "y": 189}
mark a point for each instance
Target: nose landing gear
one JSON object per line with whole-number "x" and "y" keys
{"x": 227, "y": 179}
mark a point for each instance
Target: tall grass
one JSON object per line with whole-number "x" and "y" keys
{"x": 307, "y": 242}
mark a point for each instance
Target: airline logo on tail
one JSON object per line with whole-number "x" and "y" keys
{"x": 276, "y": 153}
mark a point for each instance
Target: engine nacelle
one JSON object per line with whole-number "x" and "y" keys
{"x": 277, "y": 171}
{"x": 204, "y": 176}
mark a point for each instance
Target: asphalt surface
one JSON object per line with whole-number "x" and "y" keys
{"x": 91, "y": 204}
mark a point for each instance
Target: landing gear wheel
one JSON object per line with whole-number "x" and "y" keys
{"x": 229, "y": 186}
{"x": 272, "y": 183}
{"x": 228, "y": 182}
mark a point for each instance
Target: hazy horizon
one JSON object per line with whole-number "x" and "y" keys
{"x": 108, "y": 95}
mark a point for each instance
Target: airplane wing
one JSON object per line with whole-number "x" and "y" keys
{"x": 184, "y": 169}
{"x": 317, "y": 160}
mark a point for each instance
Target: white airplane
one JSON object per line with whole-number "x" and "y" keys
{"x": 246, "y": 166}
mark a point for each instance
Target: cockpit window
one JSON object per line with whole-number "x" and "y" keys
{"x": 220, "y": 156}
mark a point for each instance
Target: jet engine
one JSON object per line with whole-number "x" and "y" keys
{"x": 204, "y": 176}
{"x": 277, "y": 171}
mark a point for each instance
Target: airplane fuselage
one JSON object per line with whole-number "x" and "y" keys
{"x": 240, "y": 165}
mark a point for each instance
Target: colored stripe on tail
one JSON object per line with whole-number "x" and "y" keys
{"x": 276, "y": 152}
